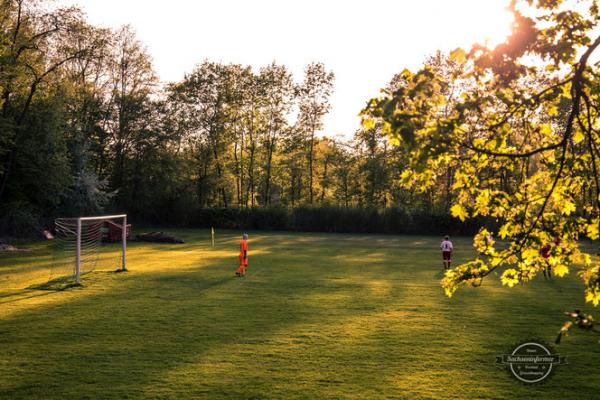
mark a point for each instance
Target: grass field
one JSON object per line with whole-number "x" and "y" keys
{"x": 318, "y": 317}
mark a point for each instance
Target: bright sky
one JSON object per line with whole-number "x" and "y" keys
{"x": 364, "y": 43}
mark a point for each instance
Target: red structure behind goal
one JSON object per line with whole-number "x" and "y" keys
{"x": 112, "y": 231}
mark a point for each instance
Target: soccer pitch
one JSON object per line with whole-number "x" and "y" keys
{"x": 319, "y": 316}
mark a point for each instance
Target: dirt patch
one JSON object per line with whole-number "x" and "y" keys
{"x": 157, "y": 237}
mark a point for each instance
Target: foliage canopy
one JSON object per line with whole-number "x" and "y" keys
{"x": 517, "y": 126}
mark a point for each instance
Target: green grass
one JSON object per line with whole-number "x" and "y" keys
{"x": 318, "y": 317}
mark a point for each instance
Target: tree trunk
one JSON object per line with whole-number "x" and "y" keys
{"x": 448, "y": 189}
{"x": 237, "y": 173}
{"x": 310, "y": 164}
{"x": 292, "y": 187}
{"x": 250, "y": 190}
{"x": 324, "y": 179}
{"x": 219, "y": 173}
{"x": 270, "y": 150}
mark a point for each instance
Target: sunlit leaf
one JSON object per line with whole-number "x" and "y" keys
{"x": 578, "y": 136}
{"x": 458, "y": 55}
{"x": 458, "y": 211}
{"x": 560, "y": 270}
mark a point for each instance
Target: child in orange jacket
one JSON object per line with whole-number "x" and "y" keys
{"x": 241, "y": 271}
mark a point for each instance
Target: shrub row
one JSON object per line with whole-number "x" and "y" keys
{"x": 335, "y": 219}
{"x": 24, "y": 222}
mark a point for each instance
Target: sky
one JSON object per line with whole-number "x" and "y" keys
{"x": 363, "y": 42}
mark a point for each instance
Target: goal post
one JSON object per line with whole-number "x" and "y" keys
{"x": 82, "y": 235}
{"x": 123, "y": 240}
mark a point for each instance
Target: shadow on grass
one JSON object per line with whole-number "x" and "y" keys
{"x": 57, "y": 285}
{"x": 20, "y": 295}
{"x": 65, "y": 283}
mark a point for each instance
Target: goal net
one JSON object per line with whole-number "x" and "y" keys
{"x": 79, "y": 247}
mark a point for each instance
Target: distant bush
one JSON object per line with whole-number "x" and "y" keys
{"x": 19, "y": 219}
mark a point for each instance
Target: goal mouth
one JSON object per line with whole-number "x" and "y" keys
{"x": 78, "y": 241}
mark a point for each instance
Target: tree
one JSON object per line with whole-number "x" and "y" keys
{"x": 208, "y": 100}
{"x": 278, "y": 94}
{"x": 132, "y": 79}
{"x": 521, "y": 138}
{"x": 294, "y": 164}
{"x": 373, "y": 166}
{"x": 344, "y": 174}
{"x": 314, "y": 93}
{"x": 34, "y": 45}
{"x": 84, "y": 87}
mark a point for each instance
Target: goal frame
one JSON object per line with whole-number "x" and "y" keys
{"x": 123, "y": 240}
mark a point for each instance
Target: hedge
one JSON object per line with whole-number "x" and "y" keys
{"x": 335, "y": 219}
{"x": 308, "y": 219}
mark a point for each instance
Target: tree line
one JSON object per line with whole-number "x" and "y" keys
{"x": 87, "y": 127}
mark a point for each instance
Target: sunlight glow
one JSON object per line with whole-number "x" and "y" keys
{"x": 364, "y": 46}
{"x": 488, "y": 26}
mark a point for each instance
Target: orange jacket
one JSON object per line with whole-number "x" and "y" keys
{"x": 244, "y": 249}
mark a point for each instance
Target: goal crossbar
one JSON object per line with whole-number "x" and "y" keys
{"x": 103, "y": 217}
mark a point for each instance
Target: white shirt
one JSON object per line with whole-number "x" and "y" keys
{"x": 446, "y": 246}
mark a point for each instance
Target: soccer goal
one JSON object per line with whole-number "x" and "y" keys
{"x": 78, "y": 242}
